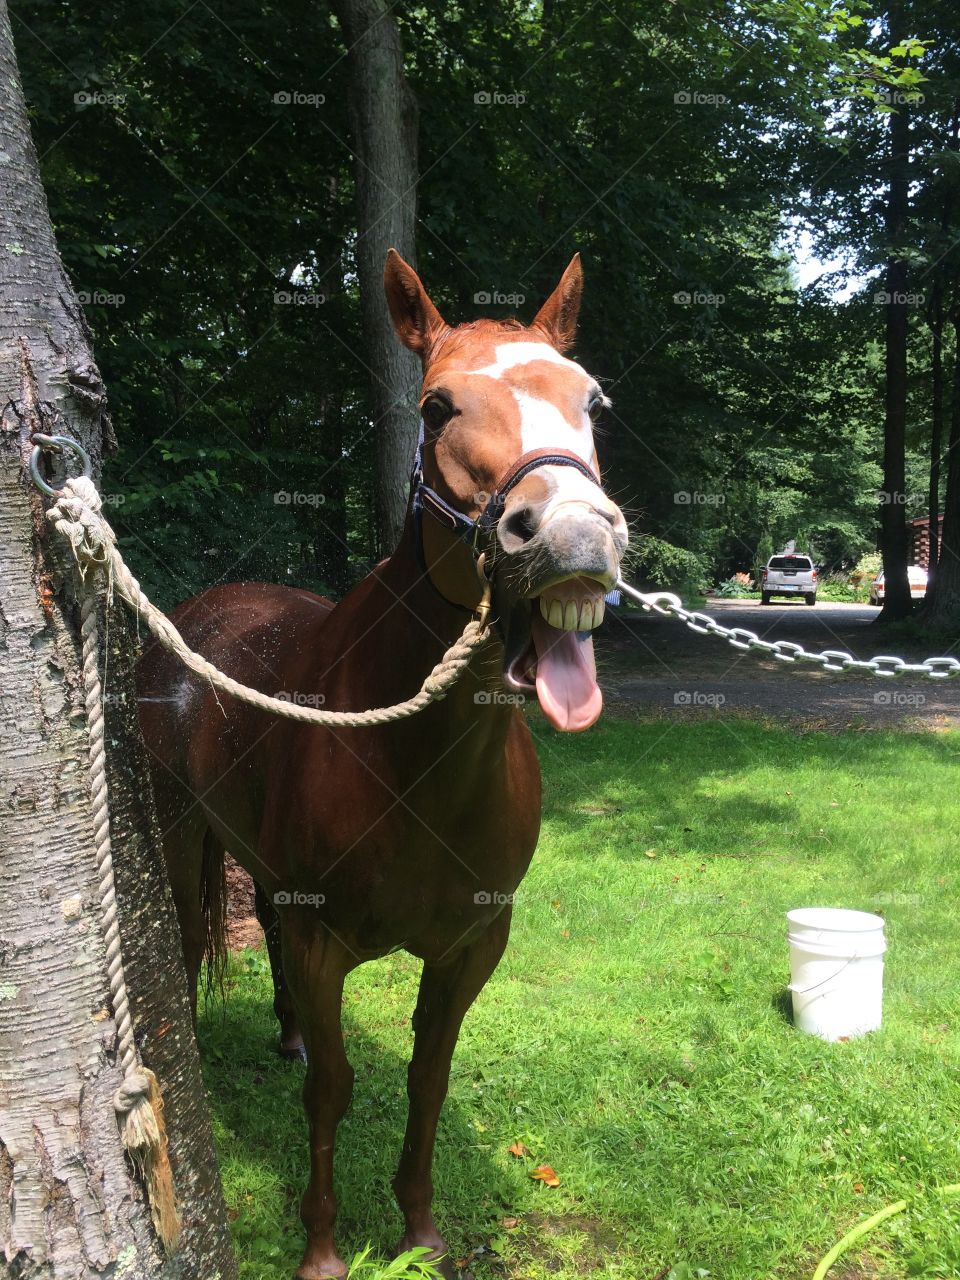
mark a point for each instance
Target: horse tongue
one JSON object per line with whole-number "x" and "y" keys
{"x": 566, "y": 675}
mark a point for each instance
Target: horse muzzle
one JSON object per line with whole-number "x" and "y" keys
{"x": 554, "y": 582}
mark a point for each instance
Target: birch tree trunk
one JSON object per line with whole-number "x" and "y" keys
{"x": 384, "y": 114}
{"x": 70, "y": 1203}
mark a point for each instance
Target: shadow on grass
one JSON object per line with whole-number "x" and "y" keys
{"x": 641, "y": 771}
{"x": 255, "y": 1098}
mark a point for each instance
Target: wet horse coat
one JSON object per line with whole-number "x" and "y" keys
{"x": 414, "y": 834}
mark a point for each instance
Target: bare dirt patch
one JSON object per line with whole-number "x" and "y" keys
{"x": 243, "y": 927}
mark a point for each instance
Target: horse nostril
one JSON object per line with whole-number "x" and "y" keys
{"x": 517, "y": 528}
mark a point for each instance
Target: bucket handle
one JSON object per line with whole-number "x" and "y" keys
{"x": 803, "y": 991}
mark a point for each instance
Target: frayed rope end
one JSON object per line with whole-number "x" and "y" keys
{"x": 139, "y": 1106}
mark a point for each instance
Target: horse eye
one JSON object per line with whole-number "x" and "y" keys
{"x": 436, "y": 412}
{"x": 596, "y": 406}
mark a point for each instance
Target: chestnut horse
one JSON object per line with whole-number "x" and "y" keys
{"x": 415, "y": 834}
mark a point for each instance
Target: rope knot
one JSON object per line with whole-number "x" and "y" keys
{"x": 135, "y": 1088}
{"x": 76, "y": 515}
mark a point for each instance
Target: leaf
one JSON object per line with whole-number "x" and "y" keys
{"x": 519, "y": 1149}
{"x": 546, "y": 1174}
{"x": 509, "y": 1223}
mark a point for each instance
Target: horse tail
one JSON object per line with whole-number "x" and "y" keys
{"x": 213, "y": 906}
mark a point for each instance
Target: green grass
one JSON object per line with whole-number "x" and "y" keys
{"x": 634, "y": 1037}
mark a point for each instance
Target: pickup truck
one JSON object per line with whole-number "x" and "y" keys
{"x": 789, "y": 574}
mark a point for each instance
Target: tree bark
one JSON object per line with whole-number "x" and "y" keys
{"x": 944, "y": 608}
{"x": 384, "y": 115}
{"x": 893, "y": 524}
{"x": 70, "y": 1203}
{"x": 936, "y": 431}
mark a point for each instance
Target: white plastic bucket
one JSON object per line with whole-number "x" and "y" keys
{"x": 836, "y": 971}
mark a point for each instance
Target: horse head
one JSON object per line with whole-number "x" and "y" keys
{"x": 507, "y": 467}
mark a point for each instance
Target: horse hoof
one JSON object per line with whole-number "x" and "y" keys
{"x": 438, "y": 1255}
{"x": 295, "y": 1053}
{"x": 324, "y": 1268}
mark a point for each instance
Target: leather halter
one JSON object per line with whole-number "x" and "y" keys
{"x": 479, "y": 533}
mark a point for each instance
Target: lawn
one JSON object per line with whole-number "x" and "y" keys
{"x": 635, "y": 1036}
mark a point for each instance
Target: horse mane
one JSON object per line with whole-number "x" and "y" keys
{"x": 452, "y": 338}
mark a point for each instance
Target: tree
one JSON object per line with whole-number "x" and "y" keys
{"x": 71, "y": 1202}
{"x": 384, "y": 114}
{"x": 893, "y": 526}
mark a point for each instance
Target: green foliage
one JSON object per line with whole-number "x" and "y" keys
{"x": 409, "y": 1265}
{"x": 671, "y": 568}
{"x": 867, "y": 567}
{"x": 677, "y": 146}
{"x": 735, "y": 589}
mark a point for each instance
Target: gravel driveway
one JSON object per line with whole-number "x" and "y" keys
{"x": 656, "y": 663}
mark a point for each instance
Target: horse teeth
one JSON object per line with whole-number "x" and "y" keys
{"x": 586, "y": 616}
{"x": 598, "y": 612}
{"x": 571, "y": 616}
{"x": 552, "y": 611}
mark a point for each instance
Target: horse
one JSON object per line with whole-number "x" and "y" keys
{"x": 413, "y": 834}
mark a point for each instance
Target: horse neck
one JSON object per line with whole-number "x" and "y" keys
{"x": 402, "y": 642}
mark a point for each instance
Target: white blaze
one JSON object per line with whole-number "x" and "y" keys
{"x": 543, "y": 426}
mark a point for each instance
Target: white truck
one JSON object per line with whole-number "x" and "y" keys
{"x": 789, "y": 574}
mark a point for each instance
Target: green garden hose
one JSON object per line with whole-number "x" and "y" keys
{"x": 864, "y": 1228}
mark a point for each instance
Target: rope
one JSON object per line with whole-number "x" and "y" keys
{"x": 76, "y": 515}
{"x": 138, "y": 1103}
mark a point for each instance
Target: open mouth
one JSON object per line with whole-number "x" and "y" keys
{"x": 557, "y": 661}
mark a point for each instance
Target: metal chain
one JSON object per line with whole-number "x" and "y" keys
{"x": 838, "y": 660}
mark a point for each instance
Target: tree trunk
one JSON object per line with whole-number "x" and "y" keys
{"x": 944, "y": 608}
{"x": 936, "y": 431}
{"x": 384, "y": 115}
{"x": 893, "y": 524}
{"x": 70, "y": 1203}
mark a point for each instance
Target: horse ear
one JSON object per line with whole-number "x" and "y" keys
{"x": 416, "y": 320}
{"x": 557, "y": 318}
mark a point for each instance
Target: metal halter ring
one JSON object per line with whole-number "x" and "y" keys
{"x": 46, "y": 444}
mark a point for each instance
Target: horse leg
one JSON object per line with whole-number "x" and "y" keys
{"x": 315, "y": 964}
{"x": 185, "y": 830}
{"x": 291, "y": 1041}
{"x": 446, "y": 993}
